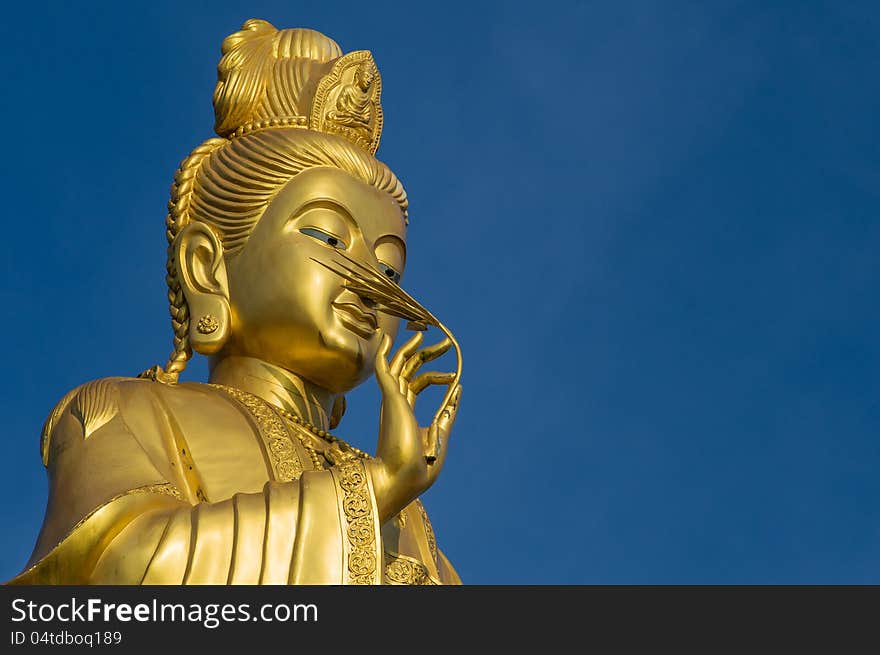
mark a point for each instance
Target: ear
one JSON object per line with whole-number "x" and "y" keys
{"x": 202, "y": 274}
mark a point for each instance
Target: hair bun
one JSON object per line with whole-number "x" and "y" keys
{"x": 264, "y": 73}
{"x": 254, "y": 28}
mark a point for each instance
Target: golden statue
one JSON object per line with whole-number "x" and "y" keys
{"x": 287, "y": 241}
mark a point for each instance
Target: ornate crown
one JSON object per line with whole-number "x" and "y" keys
{"x": 296, "y": 78}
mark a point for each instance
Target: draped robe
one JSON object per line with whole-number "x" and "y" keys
{"x": 200, "y": 484}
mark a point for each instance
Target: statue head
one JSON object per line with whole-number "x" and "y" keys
{"x": 255, "y": 212}
{"x": 364, "y": 75}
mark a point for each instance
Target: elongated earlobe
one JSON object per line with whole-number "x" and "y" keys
{"x": 209, "y": 329}
{"x": 202, "y": 272}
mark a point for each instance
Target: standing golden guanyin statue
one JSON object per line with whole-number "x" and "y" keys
{"x": 287, "y": 241}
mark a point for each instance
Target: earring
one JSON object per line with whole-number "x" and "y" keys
{"x": 207, "y": 324}
{"x": 208, "y": 333}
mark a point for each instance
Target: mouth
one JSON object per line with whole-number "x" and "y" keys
{"x": 362, "y": 323}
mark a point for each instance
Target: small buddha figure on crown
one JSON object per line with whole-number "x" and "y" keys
{"x": 354, "y": 106}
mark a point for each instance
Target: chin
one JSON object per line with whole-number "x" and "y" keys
{"x": 346, "y": 360}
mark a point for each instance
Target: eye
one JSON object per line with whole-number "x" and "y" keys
{"x": 393, "y": 275}
{"x": 320, "y": 235}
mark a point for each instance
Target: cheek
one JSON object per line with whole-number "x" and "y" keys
{"x": 303, "y": 284}
{"x": 311, "y": 288}
{"x": 281, "y": 286}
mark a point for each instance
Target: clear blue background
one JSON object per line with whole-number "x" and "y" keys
{"x": 653, "y": 226}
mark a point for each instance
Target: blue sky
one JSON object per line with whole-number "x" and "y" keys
{"x": 652, "y": 226}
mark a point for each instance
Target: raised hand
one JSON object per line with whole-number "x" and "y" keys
{"x": 408, "y": 456}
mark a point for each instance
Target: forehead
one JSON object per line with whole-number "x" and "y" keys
{"x": 376, "y": 212}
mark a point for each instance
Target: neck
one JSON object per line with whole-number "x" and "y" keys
{"x": 276, "y": 386}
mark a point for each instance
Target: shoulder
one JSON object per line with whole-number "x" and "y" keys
{"x": 91, "y": 405}
{"x": 138, "y": 402}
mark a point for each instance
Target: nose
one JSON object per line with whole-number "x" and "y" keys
{"x": 363, "y": 256}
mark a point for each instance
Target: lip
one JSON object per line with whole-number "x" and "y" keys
{"x": 356, "y": 319}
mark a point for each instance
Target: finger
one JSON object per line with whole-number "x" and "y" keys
{"x": 446, "y": 419}
{"x": 430, "y": 353}
{"x": 441, "y": 428}
{"x": 384, "y": 346}
{"x": 427, "y": 379}
{"x": 387, "y": 382}
{"x": 405, "y": 351}
{"x": 413, "y": 389}
{"x": 432, "y": 452}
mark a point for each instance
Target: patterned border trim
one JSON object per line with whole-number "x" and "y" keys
{"x": 403, "y": 570}
{"x": 361, "y": 531}
{"x": 165, "y": 488}
{"x": 429, "y": 530}
{"x": 285, "y": 461}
